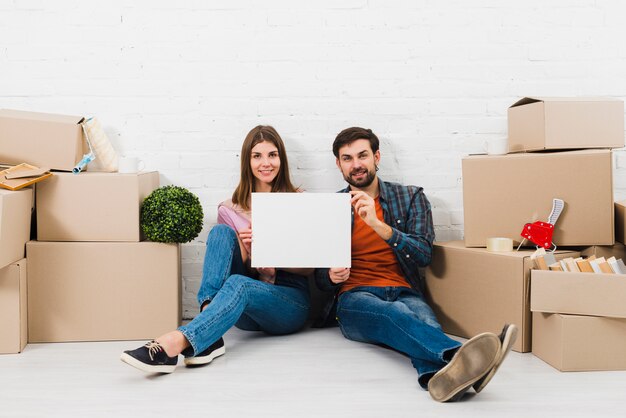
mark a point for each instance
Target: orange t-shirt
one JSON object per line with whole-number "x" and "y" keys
{"x": 373, "y": 260}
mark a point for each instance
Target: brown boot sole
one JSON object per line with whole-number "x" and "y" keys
{"x": 507, "y": 338}
{"x": 471, "y": 362}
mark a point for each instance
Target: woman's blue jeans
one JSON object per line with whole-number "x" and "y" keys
{"x": 236, "y": 299}
{"x": 397, "y": 317}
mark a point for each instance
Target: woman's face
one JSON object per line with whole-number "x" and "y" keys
{"x": 265, "y": 164}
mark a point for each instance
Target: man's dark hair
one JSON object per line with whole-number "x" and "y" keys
{"x": 349, "y": 135}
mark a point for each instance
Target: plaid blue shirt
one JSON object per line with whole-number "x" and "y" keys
{"x": 407, "y": 211}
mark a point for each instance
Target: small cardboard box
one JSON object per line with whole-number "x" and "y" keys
{"x": 92, "y": 206}
{"x": 620, "y": 221}
{"x": 13, "y": 308}
{"x": 552, "y": 123}
{"x": 15, "y": 216}
{"x": 503, "y": 193}
{"x": 98, "y": 291}
{"x": 578, "y": 293}
{"x": 41, "y": 139}
{"x": 580, "y": 343}
{"x": 473, "y": 290}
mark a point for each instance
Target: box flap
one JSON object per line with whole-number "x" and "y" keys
{"x": 528, "y": 100}
{"x": 45, "y": 117}
{"x": 525, "y": 101}
{"x": 578, "y": 293}
{"x": 22, "y": 175}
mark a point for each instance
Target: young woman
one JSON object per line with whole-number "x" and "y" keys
{"x": 275, "y": 301}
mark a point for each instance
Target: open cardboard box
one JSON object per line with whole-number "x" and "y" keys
{"x": 579, "y": 320}
{"x": 41, "y": 139}
{"x": 553, "y": 123}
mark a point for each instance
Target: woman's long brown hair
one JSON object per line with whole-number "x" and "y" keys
{"x": 282, "y": 182}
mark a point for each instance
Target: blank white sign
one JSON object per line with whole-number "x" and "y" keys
{"x": 301, "y": 230}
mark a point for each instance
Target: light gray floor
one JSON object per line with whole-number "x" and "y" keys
{"x": 316, "y": 373}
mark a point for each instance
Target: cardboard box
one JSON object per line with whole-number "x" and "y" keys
{"x": 41, "y": 139}
{"x": 98, "y": 291}
{"x": 552, "y": 123}
{"x": 620, "y": 221}
{"x": 580, "y": 343}
{"x": 15, "y": 217}
{"x": 503, "y": 193}
{"x": 472, "y": 290}
{"x": 578, "y": 293}
{"x": 92, "y": 206}
{"x": 13, "y": 308}
{"x": 616, "y": 250}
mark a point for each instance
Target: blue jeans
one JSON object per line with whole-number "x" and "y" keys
{"x": 236, "y": 299}
{"x": 397, "y": 317}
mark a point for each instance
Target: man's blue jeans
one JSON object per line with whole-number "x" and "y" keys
{"x": 236, "y": 299}
{"x": 397, "y": 317}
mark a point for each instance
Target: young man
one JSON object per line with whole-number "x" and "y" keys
{"x": 392, "y": 236}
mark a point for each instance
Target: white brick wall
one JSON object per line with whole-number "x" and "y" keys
{"x": 180, "y": 83}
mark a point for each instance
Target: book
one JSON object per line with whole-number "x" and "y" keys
{"x": 615, "y": 265}
{"x": 599, "y": 265}
{"x": 605, "y": 267}
{"x": 555, "y": 267}
{"x": 583, "y": 265}
{"x": 571, "y": 265}
{"x": 540, "y": 263}
{"x": 595, "y": 264}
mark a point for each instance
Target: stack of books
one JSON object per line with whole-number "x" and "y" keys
{"x": 591, "y": 264}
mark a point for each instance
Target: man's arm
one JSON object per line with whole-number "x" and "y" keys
{"x": 415, "y": 243}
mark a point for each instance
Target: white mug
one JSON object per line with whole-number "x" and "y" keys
{"x": 130, "y": 165}
{"x": 496, "y": 146}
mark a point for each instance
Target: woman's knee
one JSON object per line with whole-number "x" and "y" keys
{"x": 221, "y": 231}
{"x": 238, "y": 282}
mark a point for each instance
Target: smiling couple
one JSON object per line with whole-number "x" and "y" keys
{"x": 377, "y": 301}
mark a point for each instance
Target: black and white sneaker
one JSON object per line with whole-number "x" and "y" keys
{"x": 205, "y": 357}
{"x": 150, "y": 358}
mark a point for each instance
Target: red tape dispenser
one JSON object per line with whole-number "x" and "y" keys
{"x": 540, "y": 233}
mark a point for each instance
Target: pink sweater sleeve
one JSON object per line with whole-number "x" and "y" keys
{"x": 230, "y": 217}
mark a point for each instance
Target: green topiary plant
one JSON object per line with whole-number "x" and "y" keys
{"x": 171, "y": 214}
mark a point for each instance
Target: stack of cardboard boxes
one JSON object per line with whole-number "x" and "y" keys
{"x": 15, "y": 220}
{"x": 558, "y": 148}
{"x": 90, "y": 275}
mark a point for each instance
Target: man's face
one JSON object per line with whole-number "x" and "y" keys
{"x": 358, "y": 163}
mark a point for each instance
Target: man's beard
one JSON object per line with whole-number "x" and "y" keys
{"x": 365, "y": 182}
